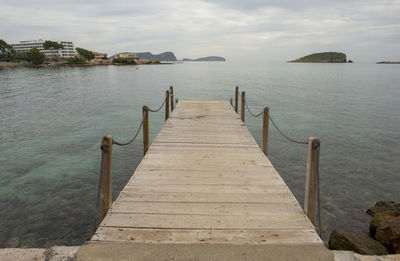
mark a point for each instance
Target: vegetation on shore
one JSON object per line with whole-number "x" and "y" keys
{"x": 52, "y": 45}
{"x": 76, "y": 60}
{"x": 124, "y": 60}
{"x": 85, "y": 54}
{"x": 326, "y": 57}
{"x": 35, "y": 57}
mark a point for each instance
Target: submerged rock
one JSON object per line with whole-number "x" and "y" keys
{"x": 355, "y": 241}
{"x": 385, "y": 207}
{"x": 10, "y": 243}
{"x": 385, "y": 224}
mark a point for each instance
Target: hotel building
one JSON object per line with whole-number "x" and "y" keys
{"x": 65, "y": 53}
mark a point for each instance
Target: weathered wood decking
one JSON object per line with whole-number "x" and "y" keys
{"x": 205, "y": 180}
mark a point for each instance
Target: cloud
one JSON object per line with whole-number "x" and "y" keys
{"x": 265, "y": 30}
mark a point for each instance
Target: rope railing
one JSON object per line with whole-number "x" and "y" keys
{"x": 312, "y": 190}
{"x": 284, "y": 135}
{"x": 104, "y": 190}
{"x": 131, "y": 140}
{"x": 161, "y": 106}
{"x": 251, "y": 113}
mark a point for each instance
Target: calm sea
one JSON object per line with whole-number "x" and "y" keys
{"x": 52, "y": 120}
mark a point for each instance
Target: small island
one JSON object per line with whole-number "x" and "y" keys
{"x": 326, "y": 57}
{"x": 206, "y": 59}
{"x": 387, "y": 62}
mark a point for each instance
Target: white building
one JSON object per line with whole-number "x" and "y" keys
{"x": 67, "y": 52}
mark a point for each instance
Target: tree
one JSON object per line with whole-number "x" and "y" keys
{"x": 76, "y": 60}
{"x": 85, "y": 54}
{"x": 6, "y": 50}
{"x": 35, "y": 56}
{"x": 54, "y": 45}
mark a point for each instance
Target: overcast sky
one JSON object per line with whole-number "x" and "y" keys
{"x": 271, "y": 30}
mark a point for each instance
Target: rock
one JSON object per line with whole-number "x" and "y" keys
{"x": 385, "y": 224}
{"x": 11, "y": 243}
{"x": 376, "y": 221}
{"x": 356, "y": 242}
{"x": 388, "y": 233}
{"x": 385, "y": 207}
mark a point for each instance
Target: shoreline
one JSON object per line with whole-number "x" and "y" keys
{"x": 19, "y": 65}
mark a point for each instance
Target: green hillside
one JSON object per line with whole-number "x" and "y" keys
{"x": 327, "y": 57}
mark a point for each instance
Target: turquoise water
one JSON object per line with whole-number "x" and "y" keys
{"x": 52, "y": 120}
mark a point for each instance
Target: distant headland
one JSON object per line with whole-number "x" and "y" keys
{"x": 207, "y": 59}
{"x": 326, "y": 57}
{"x": 387, "y": 62}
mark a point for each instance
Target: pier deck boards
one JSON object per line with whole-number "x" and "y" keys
{"x": 205, "y": 191}
{"x": 205, "y": 180}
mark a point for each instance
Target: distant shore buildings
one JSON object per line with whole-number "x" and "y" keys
{"x": 126, "y": 55}
{"x": 67, "y": 52}
{"x": 98, "y": 55}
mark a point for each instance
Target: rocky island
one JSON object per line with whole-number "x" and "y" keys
{"x": 326, "y": 57}
{"x": 387, "y": 62}
{"x": 207, "y": 59}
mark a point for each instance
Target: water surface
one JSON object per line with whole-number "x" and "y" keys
{"x": 52, "y": 120}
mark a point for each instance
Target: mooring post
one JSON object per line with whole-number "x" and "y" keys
{"x": 106, "y": 175}
{"x": 312, "y": 179}
{"x": 166, "y": 105}
{"x": 236, "y": 98}
{"x": 265, "y": 130}
{"x": 146, "y": 141}
{"x": 171, "y": 91}
{"x": 176, "y": 102}
{"x": 243, "y": 106}
{"x": 231, "y": 102}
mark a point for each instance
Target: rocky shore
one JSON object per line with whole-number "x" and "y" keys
{"x": 64, "y": 64}
{"x": 384, "y": 237}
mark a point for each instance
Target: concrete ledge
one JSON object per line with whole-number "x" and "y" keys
{"x": 56, "y": 253}
{"x": 22, "y": 254}
{"x": 351, "y": 256}
{"x": 220, "y": 252}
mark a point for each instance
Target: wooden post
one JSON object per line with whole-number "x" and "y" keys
{"x": 311, "y": 193}
{"x": 265, "y": 130}
{"x": 176, "y": 102}
{"x": 146, "y": 141}
{"x": 106, "y": 177}
{"x": 243, "y": 106}
{"x": 236, "y": 99}
{"x": 231, "y": 102}
{"x": 166, "y": 105}
{"x": 171, "y": 91}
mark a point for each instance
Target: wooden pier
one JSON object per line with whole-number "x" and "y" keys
{"x": 205, "y": 191}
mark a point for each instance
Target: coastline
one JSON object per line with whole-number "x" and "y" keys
{"x": 24, "y": 64}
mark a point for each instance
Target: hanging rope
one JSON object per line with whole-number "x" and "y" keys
{"x": 162, "y": 105}
{"x": 288, "y": 138}
{"x": 131, "y": 140}
{"x": 251, "y": 113}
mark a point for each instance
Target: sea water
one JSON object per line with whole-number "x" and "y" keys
{"x": 52, "y": 120}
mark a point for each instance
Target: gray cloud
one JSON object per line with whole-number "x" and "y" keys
{"x": 266, "y": 30}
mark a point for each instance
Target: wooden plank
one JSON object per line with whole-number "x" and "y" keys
{"x": 206, "y": 208}
{"x": 210, "y": 173}
{"x": 131, "y": 195}
{"x": 272, "y": 222}
{"x": 181, "y": 236}
{"x": 148, "y": 180}
{"x": 208, "y": 188}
